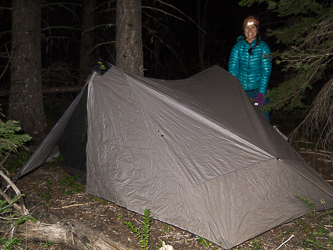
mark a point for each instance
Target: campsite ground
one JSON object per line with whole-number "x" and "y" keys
{"x": 49, "y": 197}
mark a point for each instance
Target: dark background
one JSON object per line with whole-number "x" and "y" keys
{"x": 170, "y": 52}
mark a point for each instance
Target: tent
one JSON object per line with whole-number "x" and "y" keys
{"x": 196, "y": 152}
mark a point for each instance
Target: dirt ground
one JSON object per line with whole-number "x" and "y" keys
{"x": 45, "y": 197}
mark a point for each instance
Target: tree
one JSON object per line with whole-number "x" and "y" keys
{"x": 202, "y": 23}
{"x": 87, "y": 39}
{"x": 129, "y": 55}
{"x": 309, "y": 52}
{"x": 26, "y": 99}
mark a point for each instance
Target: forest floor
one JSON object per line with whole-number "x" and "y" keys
{"x": 47, "y": 193}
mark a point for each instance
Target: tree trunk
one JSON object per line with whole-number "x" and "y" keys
{"x": 26, "y": 99}
{"x": 72, "y": 233}
{"x": 87, "y": 40}
{"x": 129, "y": 55}
{"x": 202, "y": 22}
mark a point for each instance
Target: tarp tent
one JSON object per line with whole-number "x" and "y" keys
{"x": 195, "y": 152}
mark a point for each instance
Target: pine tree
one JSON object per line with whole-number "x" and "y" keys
{"x": 10, "y": 140}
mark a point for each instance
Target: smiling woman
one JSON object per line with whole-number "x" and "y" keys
{"x": 250, "y": 62}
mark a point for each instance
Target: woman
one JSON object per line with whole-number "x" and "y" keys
{"x": 250, "y": 62}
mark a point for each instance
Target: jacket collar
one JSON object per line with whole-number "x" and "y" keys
{"x": 240, "y": 38}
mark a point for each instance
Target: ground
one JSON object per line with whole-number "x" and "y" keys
{"x": 48, "y": 193}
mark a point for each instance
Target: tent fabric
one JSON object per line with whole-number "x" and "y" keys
{"x": 49, "y": 148}
{"x": 196, "y": 152}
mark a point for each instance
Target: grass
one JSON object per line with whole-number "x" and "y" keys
{"x": 206, "y": 243}
{"x": 70, "y": 186}
{"x": 67, "y": 184}
{"x": 317, "y": 235}
{"x": 102, "y": 201}
{"x": 167, "y": 228}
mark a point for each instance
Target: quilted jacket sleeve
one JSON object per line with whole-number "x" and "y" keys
{"x": 266, "y": 69}
{"x": 233, "y": 66}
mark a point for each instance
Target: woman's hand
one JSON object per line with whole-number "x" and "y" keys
{"x": 259, "y": 101}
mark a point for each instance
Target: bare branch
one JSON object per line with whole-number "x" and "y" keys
{"x": 21, "y": 209}
{"x": 164, "y": 12}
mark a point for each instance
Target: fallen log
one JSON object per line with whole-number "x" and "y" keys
{"x": 71, "y": 232}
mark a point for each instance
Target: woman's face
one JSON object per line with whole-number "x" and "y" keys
{"x": 250, "y": 32}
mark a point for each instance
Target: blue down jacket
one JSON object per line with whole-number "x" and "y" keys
{"x": 253, "y": 71}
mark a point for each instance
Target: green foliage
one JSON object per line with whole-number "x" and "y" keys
{"x": 9, "y": 139}
{"x": 142, "y": 235}
{"x": 309, "y": 204}
{"x": 167, "y": 228}
{"x": 206, "y": 243}
{"x": 70, "y": 186}
{"x": 103, "y": 201}
{"x": 256, "y": 244}
{"x": 23, "y": 219}
{"x": 60, "y": 159}
{"x": 17, "y": 161}
{"x": 6, "y": 211}
{"x": 158, "y": 246}
{"x": 317, "y": 237}
{"x": 4, "y": 208}
{"x": 322, "y": 201}
{"x": 288, "y": 232}
{"x": 10, "y": 142}
{"x": 10, "y": 244}
{"x": 48, "y": 194}
{"x": 286, "y": 8}
{"x": 48, "y": 244}
{"x": 45, "y": 196}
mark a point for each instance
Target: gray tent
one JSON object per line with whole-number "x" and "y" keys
{"x": 195, "y": 152}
